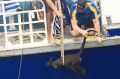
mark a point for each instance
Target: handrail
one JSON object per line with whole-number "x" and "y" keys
{"x": 20, "y": 31}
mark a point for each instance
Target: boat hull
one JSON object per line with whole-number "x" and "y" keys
{"x": 100, "y": 63}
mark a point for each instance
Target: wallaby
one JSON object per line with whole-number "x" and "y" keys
{"x": 71, "y": 61}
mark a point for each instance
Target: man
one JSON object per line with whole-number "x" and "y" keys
{"x": 84, "y": 13}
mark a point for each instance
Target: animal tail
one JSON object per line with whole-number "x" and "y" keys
{"x": 77, "y": 68}
{"x": 82, "y": 46}
{"x": 83, "y": 73}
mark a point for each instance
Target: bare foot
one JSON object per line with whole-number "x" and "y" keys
{"x": 57, "y": 41}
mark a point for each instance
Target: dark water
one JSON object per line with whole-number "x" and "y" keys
{"x": 100, "y": 63}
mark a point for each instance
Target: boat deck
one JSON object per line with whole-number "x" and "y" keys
{"x": 70, "y": 43}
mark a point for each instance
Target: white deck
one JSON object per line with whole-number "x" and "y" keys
{"x": 70, "y": 42}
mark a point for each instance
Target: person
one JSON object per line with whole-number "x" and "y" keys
{"x": 66, "y": 4}
{"x": 50, "y": 7}
{"x": 84, "y": 13}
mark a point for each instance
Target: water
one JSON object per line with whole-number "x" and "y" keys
{"x": 100, "y": 63}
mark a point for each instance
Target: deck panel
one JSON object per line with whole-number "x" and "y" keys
{"x": 71, "y": 43}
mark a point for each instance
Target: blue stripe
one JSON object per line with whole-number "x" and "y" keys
{"x": 66, "y": 12}
{"x": 56, "y": 26}
{"x": 13, "y": 7}
{"x": 10, "y": 3}
{"x": 72, "y": 10}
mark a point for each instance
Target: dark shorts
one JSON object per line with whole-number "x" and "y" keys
{"x": 87, "y": 23}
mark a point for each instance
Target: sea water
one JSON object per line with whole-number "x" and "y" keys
{"x": 100, "y": 63}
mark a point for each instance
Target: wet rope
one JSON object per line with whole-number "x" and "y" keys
{"x": 21, "y": 56}
{"x": 20, "y": 64}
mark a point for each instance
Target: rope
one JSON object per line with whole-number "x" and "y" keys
{"x": 35, "y": 7}
{"x": 20, "y": 64}
{"x": 21, "y": 56}
{"x": 62, "y": 32}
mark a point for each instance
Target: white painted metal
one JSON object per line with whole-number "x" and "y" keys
{"x": 110, "y": 8}
{"x": 8, "y": 44}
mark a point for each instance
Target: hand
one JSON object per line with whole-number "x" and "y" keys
{"x": 59, "y": 14}
{"x": 84, "y": 33}
{"x": 99, "y": 39}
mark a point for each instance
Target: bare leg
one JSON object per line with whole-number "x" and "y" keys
{"x": 49, "y": 17}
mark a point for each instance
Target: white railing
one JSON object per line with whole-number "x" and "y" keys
{"x": 20, "y": 32}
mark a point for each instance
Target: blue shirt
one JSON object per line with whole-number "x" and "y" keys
{"x": 86, "y": 17}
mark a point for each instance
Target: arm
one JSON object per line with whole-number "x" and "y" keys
{"x": 97, "y": 28}
{"x": 51, "y": 5}
{"x": 74, "y": 21}
{"x": 54, "y": 8}
{"x": 96, "y": 25}
{"x": 77, "y": 28}
{"x": 95, "y": 16}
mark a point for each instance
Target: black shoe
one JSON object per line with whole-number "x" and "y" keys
{"x": 18, "y": 9}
